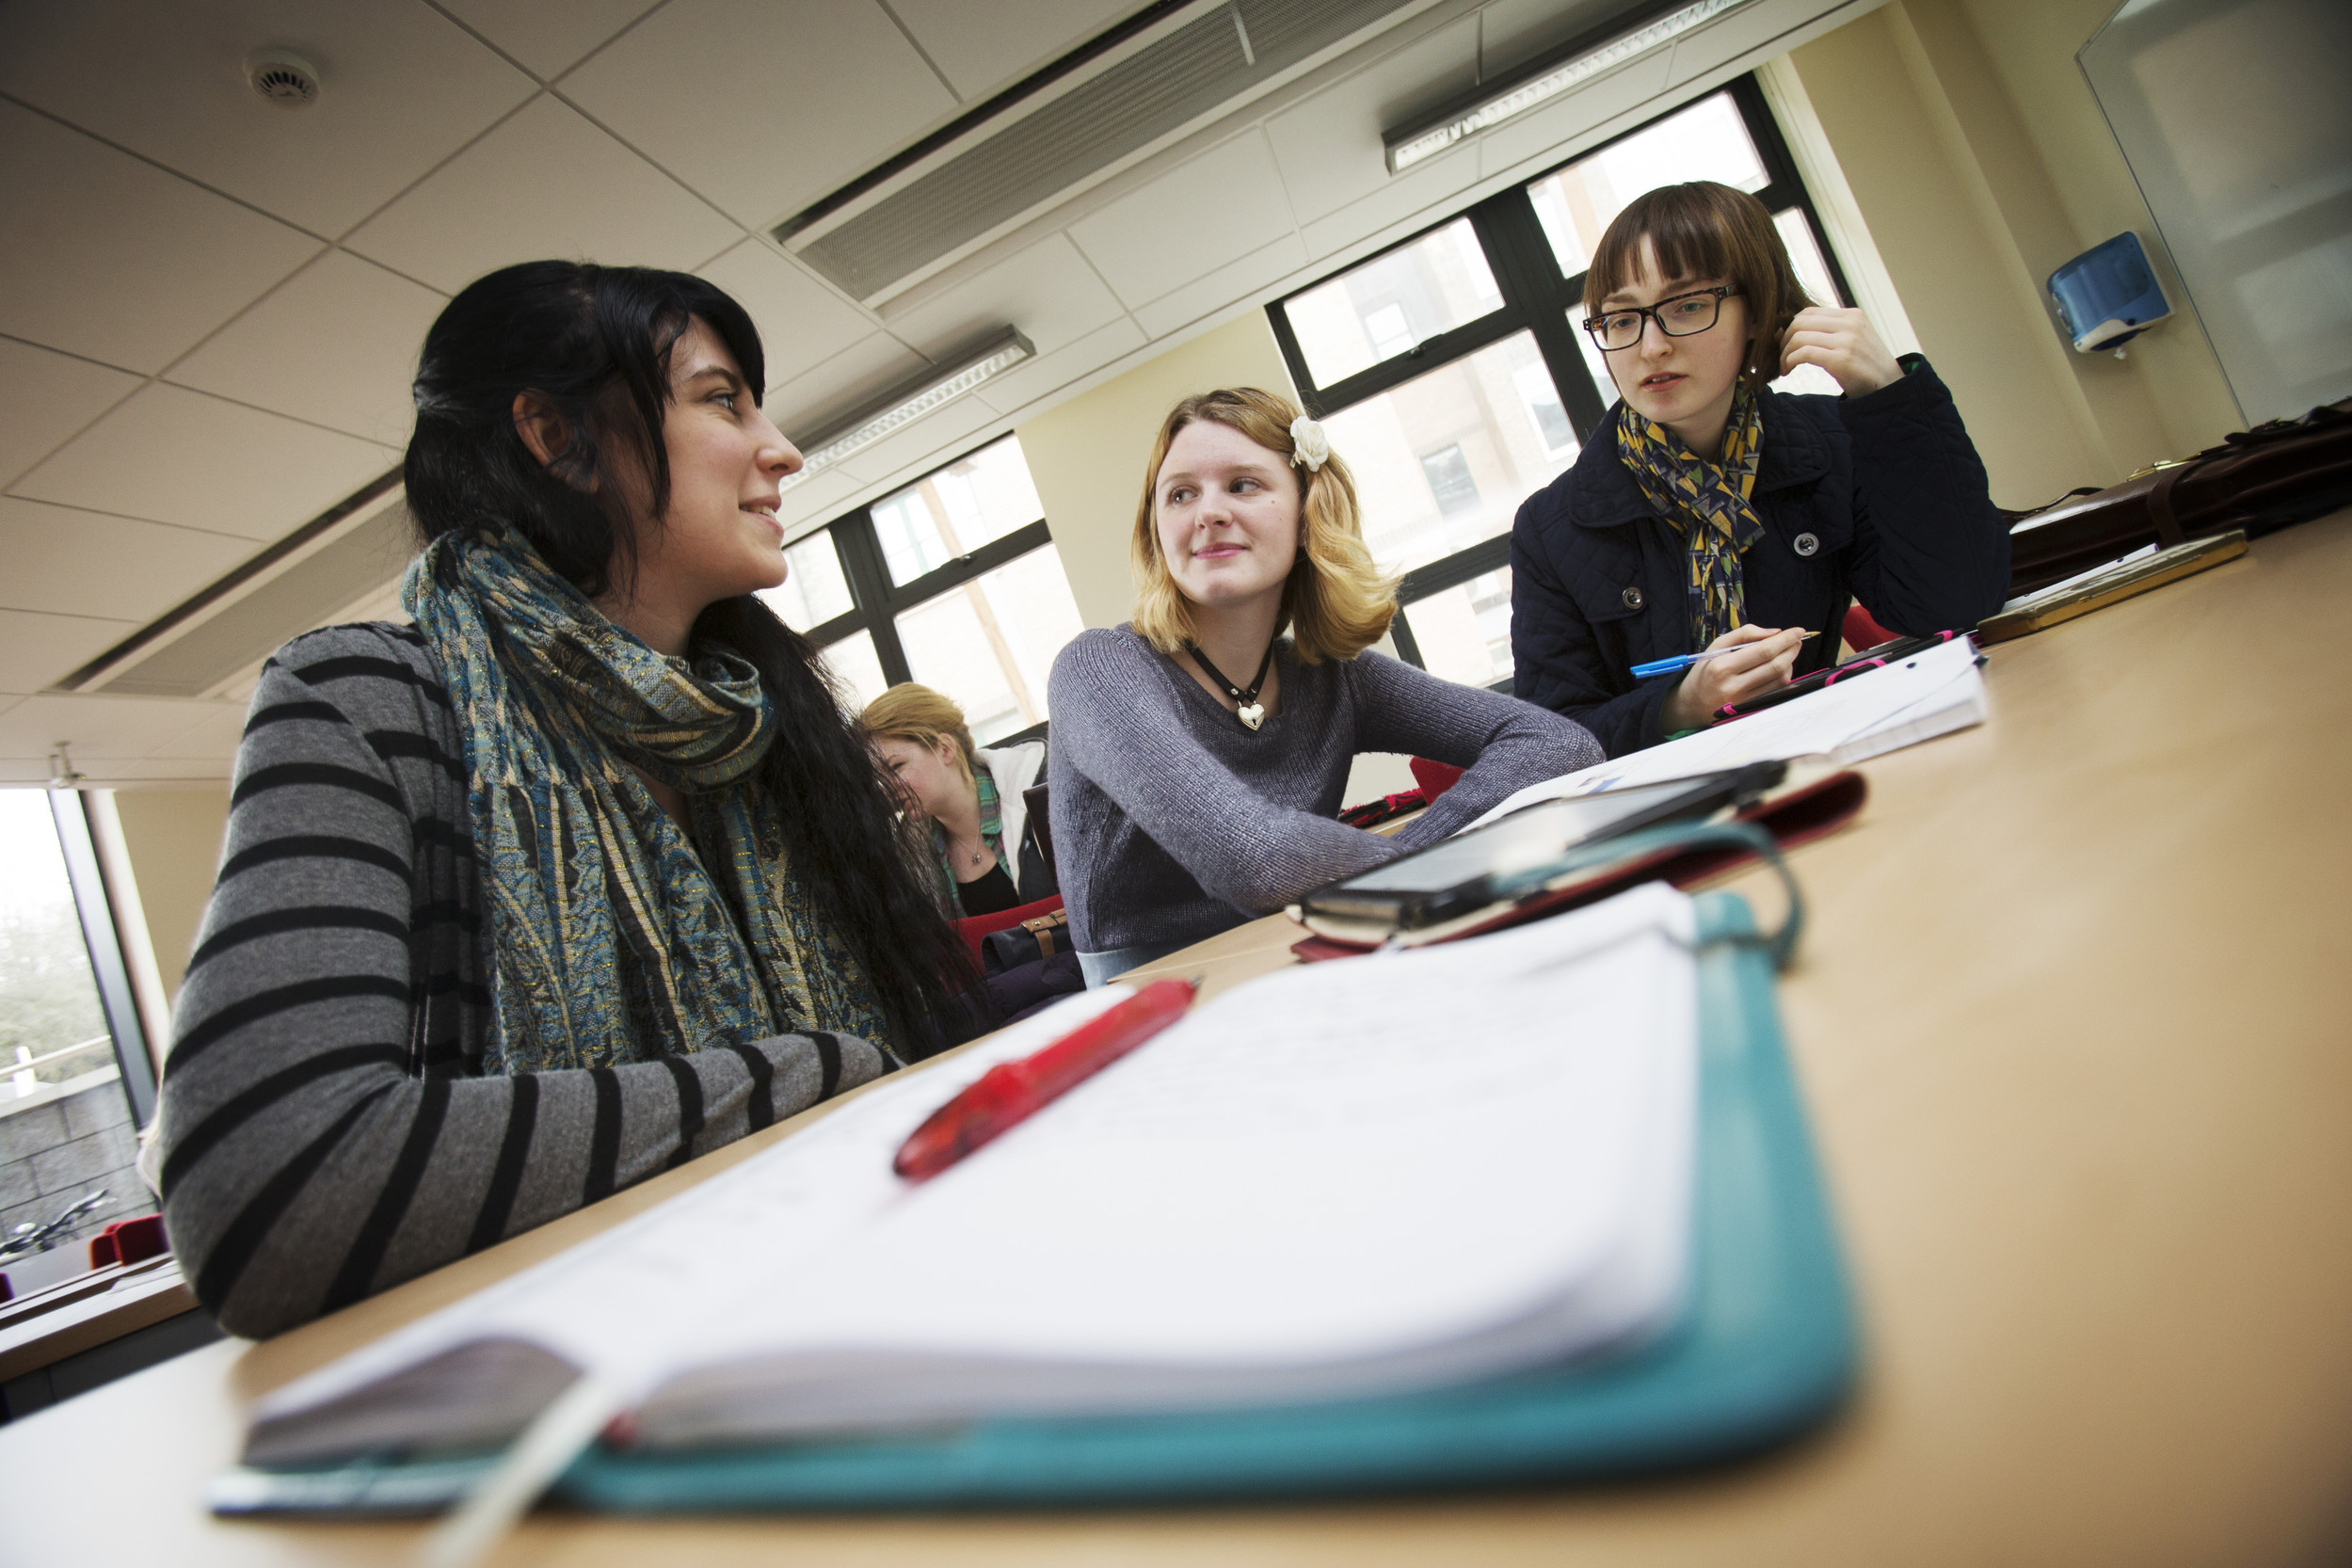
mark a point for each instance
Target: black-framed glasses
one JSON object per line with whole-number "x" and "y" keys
{"x": 1678, "y": 317}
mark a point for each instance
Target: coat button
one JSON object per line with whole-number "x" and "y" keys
{"x": 1808, "y": 543}
{"x": 1633, "y": 596}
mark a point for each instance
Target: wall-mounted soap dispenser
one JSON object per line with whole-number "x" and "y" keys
{"x": 2108, "y": 296}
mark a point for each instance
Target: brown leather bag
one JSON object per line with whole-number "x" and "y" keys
{"x": 2285, "y": 472}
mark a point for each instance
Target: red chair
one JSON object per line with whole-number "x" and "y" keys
{"x": 973, "y": 927}
{"x": 1435, "y": 778}
{"x": 1861, "y": 631}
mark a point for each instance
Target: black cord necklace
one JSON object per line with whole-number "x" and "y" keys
{"x": 1251, "y": 711}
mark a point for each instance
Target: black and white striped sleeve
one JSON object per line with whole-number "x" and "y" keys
{"x": 319, "y": 1139}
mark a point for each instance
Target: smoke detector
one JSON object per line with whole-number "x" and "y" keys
{"x": 281, "y": 78}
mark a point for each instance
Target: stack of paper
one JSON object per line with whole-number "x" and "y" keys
{"x": 1410, "y": 1170}
{"x": 1917, "y": 699}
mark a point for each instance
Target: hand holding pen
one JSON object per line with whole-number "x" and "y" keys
{"x": 1742, "y": 664}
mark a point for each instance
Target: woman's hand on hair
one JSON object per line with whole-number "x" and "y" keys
{"x": 1763, "y": 663}
{"x": 1842, "y": 342}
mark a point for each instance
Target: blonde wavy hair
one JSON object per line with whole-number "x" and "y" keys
{"x": 1336, "y": 601}
{"x": 916, "y": 714}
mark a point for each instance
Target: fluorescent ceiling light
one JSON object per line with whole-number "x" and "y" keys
{"x": 999, "y": 356}
{"x": 1407, "y": 148}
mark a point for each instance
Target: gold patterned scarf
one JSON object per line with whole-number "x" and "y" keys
{"x": 616, "y": 937}
{"x": 1710, "y": 504}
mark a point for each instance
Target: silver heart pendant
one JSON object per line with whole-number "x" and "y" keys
{"x": 1251, "y": 713}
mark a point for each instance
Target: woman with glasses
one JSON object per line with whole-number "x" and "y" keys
{"x": 1714, "y": 513}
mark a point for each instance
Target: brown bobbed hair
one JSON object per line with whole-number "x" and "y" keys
{"x": 916, "y": 714}
{"x": 1705, "y": 230}
{"x": 1336, "y": 601}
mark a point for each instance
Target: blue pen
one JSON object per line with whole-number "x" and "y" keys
{"x": 1684, "y": 661}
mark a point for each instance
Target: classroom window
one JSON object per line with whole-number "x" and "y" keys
{"x": 1453, "y": 376}
{"x": 67, "y": 1130}
{"x": 952, "y": 581}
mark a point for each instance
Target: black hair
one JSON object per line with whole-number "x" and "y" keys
{"x": 594, "y": 343}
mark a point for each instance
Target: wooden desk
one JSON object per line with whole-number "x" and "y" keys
{"x": 2075, "y": 1020}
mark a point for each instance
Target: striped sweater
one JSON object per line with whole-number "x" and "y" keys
{"x": 323, "y": 1130}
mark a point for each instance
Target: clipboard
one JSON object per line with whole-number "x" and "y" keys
{"x": 1764, "y": 1349}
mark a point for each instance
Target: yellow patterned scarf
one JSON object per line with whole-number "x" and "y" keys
{"x": 1709, "y": 504}
{"x": 614, "y": 938}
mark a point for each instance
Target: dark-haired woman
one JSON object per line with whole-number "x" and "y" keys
{"x": 583, "y": 874}
{"x": 1712, "y": 512}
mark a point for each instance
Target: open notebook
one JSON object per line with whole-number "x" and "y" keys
{"x": 1929, "y": 693}
{"x": 1409, "y": 1171}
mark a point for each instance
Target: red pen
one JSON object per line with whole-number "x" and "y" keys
{"x": 1011, "y": 1092}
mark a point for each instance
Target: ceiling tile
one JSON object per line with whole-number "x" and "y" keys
{"x": 815, "y": 502}
{"x": 45, "y": 397}
{"x": 1329, "y": 147}
{"x": 801, "y": 324}
{"x": 1048, "y": 291}
{"x": 1421, "y": 196}
{"x": 277, "y": 355}
{"x": 98, "y": 728}
{"x": 105, "y": 256}
{"x": 88, "y": 563}
{"x": 1221, "y": 206}
{"x": 401, "y": 87}
{"x": 1550, "y": 130}
{"x": 764, "y": 105}
{"x": 212, "y": 738}
{"x": 174, "y": 456}
{"x": 547, "y": 183}
{"x": 37, "y": 648}
{"x": 1220, "y": 290}
{"x": 1514, "y": 32}
{"x": 809, "y": 403}
{"x": 982, "y": 48}
{"x": 547, "y": 39}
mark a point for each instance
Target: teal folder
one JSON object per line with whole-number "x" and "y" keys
{"x": 1763, "y": 1351}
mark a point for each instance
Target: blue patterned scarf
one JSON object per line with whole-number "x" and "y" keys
{"x": 1710, "y": 504}
{"x": 616, "y": 939}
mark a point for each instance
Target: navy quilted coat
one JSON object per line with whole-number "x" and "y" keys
{"x": 1879, "y": 498}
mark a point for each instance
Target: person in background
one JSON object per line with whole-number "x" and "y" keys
{"x": 972, "y": 797}
{"x": 1712, "y": 512}
{"x": 583, "y": 874}
{"x": 1199, "y": 756}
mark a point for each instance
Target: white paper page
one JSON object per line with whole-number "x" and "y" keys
{"x": 1332, "y": 1161}
{"x": 1332, "y": 1165}
{"x": 1814, "y": 724}
{"x": 592, "y": 1303}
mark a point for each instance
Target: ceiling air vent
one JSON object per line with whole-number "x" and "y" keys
{"x": 1059, "y": 145}
{"x": 310, "y": 578}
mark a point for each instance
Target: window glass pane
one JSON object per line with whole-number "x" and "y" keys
{"x": 853, "y": 662}
{"x": 1443, "y": 460}
{"x": 1705, "y": 141}
{"x": 990, "y": 643}
{"x": 1381, "y": 309}
{"x": 1464, "y": 633}
{"x": 1811, "y": 271}
{"x": 1595, "y": 360}
{"x": 66, "y": 1120}
{"x": 955, "y": 510}
{"x": 813, "y": 591}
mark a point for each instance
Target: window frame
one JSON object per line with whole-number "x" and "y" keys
{"x": 1538, "y": 299}
{"x": 876, "y": 602}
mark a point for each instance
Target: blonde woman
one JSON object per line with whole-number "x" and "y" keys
{"x": 971, "y": 795}
{"x": 1198, "y": 755}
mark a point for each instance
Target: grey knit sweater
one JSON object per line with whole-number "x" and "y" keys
{"x": 323, "y": 1128}
{"x": 1172, "y": 822}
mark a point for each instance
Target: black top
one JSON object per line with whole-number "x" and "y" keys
{"x": 989, "y": 894}
{"x": 1879, "y": 498}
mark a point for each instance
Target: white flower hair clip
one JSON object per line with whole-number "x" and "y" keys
{"x": 1309, "y": 447}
